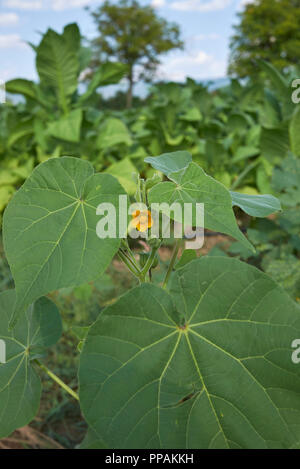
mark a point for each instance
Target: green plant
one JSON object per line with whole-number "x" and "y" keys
{"x": 56, "y": 114}
{"x": 237, "y": 133}
{"x": 277, "y": 241}
{"x": 203, "y": 361}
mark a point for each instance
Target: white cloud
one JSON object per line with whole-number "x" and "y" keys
{"x": 56, "y": 5}
{"x": 68, "y": 4}
{"x": 200, "y": 65}
{"x": 11, "y": 41}
{"x": 24, "y": 4}
{"x": 8, "y": 19}
{"x": 158, "y": 3}
{"x": 200, "y": 5}
{"x": 243, "y": 3}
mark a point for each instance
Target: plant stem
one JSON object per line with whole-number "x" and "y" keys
{"x": 148, "y": 264}
{"x": 57, "y": 380}
{"x": 172, "y": 262}
{"x": 133, "y": 269}
{"x": 131, "y": 258}
{"x": 144, "y": 192}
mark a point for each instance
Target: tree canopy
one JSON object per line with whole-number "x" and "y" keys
{"x": 134, "y": 35}
{"x": 268, "y": 30}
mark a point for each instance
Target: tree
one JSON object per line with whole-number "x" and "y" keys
{"x": 134, "y": 35}
{"x": 268, "y": 30}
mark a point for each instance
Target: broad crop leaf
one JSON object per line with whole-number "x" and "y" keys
{"x": 187, "y": 256}
{"x": 274, "y": 142}
{"x": 281, "y": 86}
{"x": 124, "y": 171}
{"x": 113, "y": 132}
{"x": 21, "y": 86}
{"x": 58, "y": 66}
{"x": 278, "y": 80}
{"x": 208, "y": 367}
{"x": 256, "y": 205}
{"x": 244, "y": 152}
{"x": 67, "y": 127}
{"x": 50, "y": 228}
{"x": 286, "y": 180}
{"x": 22, "y": 129}
{"x": 20, "y": 386}
{"x": 170, "y": 162}
{"x": 27, "y": 88}
{"x": 192, "y": 185}
{"x": 108, "y": 74}
{"x": 71, "y": 36}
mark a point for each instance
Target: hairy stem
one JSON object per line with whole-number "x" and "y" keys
{"x": 148, "y": 264}
{"x": 130, "y": 265}
{"x": 172, "y": 262}
{"x": 57, "y": 380}
{"x": 129, "y": 254}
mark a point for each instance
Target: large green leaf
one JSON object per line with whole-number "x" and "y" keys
{"x": 286, "y": 181}
{"x": 113, "y": 132}
{"x": 20, "y": 386}
{"x": 92, "y": 441}
{"x": 71, "y": 35}
{"x": 278, "y": 80}
{"x": 50, "y": 228}
{"x": 192, "y": 185}
{"x": 274, "y": 142}
{"x": 27, "y": 88}
{"x": 208, "y": 367}
{"x": 281, "y": 86}
{"x": 170, "y": 162}
{"x": 58, "y": 65}
{"x": 108, "y": 74}
{"x": 67, "y": 127}
{"x": 22, "y": 129}
{"x": 124, "y": 171}
{"x": 21, "y": 86}
{"x": 256, "y": 205}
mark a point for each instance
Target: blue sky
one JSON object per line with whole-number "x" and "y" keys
{"x": 206, "y": 28}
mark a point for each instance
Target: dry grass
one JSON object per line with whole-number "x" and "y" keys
{"x": 29, "y": 438}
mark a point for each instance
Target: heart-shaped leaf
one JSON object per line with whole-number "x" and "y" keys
{"x": 92, "y": 441}
{"x": 256, "y": 205}
{"x": 192, "y": 185}
{"x": 50, "y": 228}
{"x": 20, "y": 387}
{"x": 170, "y": 162}
{"x": 214, "y": 372}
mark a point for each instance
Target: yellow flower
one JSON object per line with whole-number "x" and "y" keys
{"x": 142, "y": 220}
